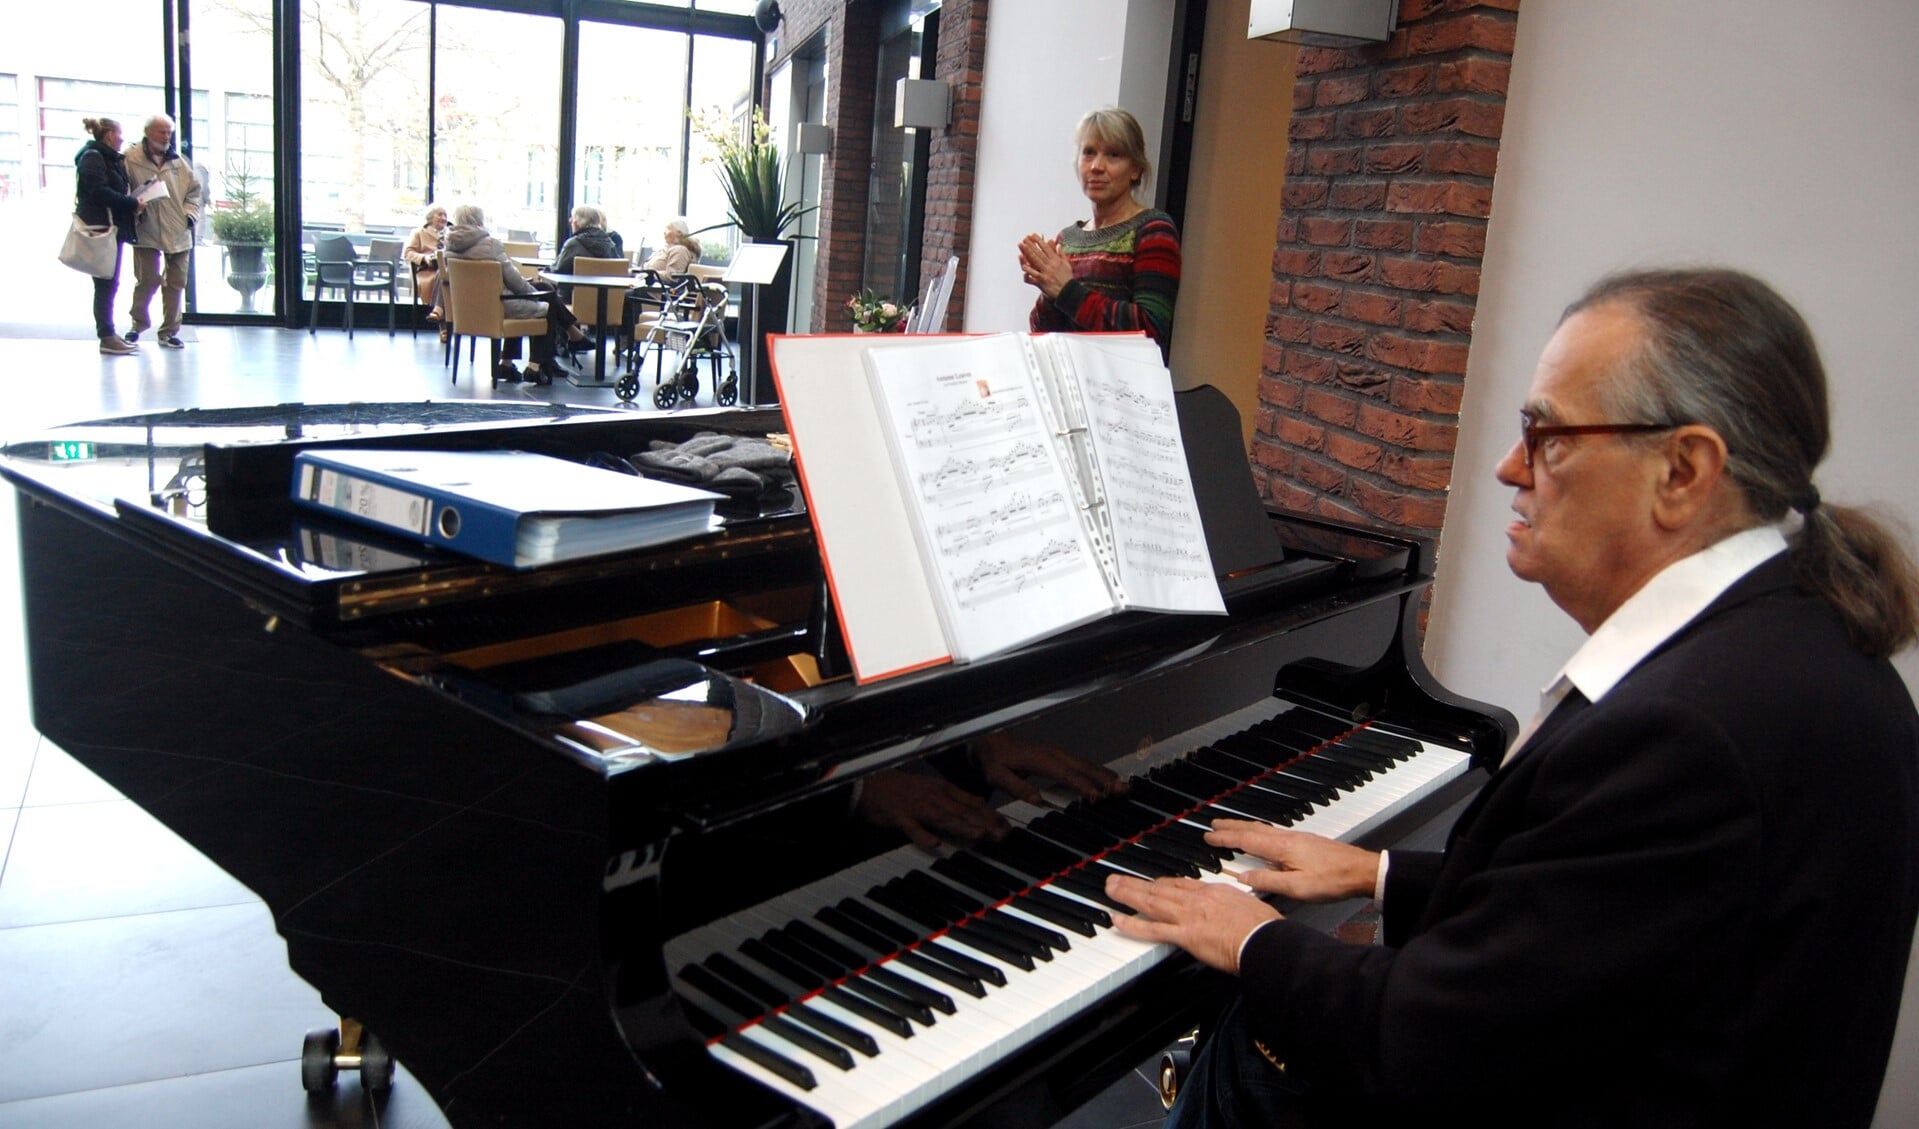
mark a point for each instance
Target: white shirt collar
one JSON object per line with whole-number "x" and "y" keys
{"x": 1663, "y": 605}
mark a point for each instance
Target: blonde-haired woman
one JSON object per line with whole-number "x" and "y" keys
{"x": 1121, "y": 271}
{"x": 423, "y": 252}
{"x": 102, "y": 196}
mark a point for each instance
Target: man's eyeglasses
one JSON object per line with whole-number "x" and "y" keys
{"x": 1531, "y": 431}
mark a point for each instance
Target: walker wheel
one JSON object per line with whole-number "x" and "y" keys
{"x": 728, "y": 393}
{"x": 665, "y": 394}
{"x": 627, "y": 387}
{"x": 690, "y": 387}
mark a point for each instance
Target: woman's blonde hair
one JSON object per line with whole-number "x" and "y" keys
{"x": 100, "y": 127}
{"x": 1120, "y": 129}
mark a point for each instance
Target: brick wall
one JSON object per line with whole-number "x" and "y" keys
{"x": 955, "y": 149}
{"x": 852, "y": 47}
{"x": 1376, "y": 266}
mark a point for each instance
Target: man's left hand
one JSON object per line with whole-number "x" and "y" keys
{"x": 1208, "y": 919}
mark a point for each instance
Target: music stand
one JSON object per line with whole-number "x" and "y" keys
{"x": 754, "y": 264}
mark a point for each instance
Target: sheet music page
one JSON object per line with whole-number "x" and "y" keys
{"x": 992, "y": 504}
{"x": 1150, "y": 510}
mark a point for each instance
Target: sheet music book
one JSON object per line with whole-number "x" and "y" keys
{"x": 511, "y": 507}
{"x": 1029, "y": 484}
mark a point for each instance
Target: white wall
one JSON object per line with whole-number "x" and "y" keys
{"x": 1766, "y": 135}
{"x": 1046, "y": 65}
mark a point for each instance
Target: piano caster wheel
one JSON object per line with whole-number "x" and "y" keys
{"x": 1173, "y": 1066}
{"x": 327, "y": 1052}
{"x": 318, "y": 1070}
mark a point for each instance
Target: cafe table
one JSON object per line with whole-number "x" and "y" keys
{"x": 602, "y": 284}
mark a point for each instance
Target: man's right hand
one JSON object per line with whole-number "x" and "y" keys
{"x": 1306, "y": 867}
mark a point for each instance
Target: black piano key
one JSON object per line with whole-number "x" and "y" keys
{"x": 879, "y": 1016}
{"x": 766, "y": 1059}
{"x": 910, "y": 906}
{"x": 861, "y": 986}
{"x": 1122, "y": 819}
{"x": 823, "y": 1049}
{"x": 931, "y": 949}
{"x": 1193, "y": 838}
{"x": 892, "y": 981}
{"x": 1323, "y": 726}
{"x": 1163, "y": 799}
{"x": 1179, "y": 866}
{"x": 1305, "y": 770}
{"x": 945, "y": 974}
{"x": 973, "y": 871}
{"x": 767, "y": 957}
{"x": 1091, "y": 915}
{"x": 1172, "y": 847}
{"x": 721, "y": 992}
{"x": 1051, "y": 856}
{"x": 1051, "y": 912}
{"x": 747, "y": 981}
{"x": 1392, "y": 744}
{"x": 1229, "y": 763}
{"x": 933, "y": 907}
{"x": 1090, "y": 843}
{"x": 1359, "y": 761}
{"x": 1245, "y": 803}
{"x": 1091, "y": 885}
{"x": 1017, "y": 954}
{"x": 995, "y": 916}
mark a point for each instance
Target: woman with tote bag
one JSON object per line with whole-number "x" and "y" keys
{"x": 100, "y": 198}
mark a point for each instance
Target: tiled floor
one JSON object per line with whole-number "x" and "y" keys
{"x": 139, "y": 984}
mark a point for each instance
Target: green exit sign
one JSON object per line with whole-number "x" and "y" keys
{"x": 70, "y": 451}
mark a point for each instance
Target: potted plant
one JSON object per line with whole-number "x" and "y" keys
{"x": 244, "y": 224}
{"x": 753, "y": 176}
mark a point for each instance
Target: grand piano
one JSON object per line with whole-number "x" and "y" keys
{"x": 620, "y": 841}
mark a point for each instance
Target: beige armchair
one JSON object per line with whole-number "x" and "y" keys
{"x": 474, "y": 308}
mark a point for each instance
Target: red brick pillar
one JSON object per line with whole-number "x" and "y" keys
{"x": 1389, "y": 182}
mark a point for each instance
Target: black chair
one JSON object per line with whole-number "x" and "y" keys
{"x": 392, "y": 252}
{"x": 338, "y": 266}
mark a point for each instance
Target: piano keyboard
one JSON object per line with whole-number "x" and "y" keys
{"x": 868, "y": 994}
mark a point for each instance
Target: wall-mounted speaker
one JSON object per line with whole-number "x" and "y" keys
{"x": 766, "y": 15}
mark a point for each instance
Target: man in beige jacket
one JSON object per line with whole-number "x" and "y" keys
{"x": 164, "y": 236}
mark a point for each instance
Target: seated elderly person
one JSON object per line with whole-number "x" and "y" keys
{"x": 680, "y": 252}
{"x": 590, "y": 240}
{"x": 468, "y": 238}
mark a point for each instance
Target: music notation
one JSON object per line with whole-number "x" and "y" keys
{"x": 1021, "y": 514}
{"x": 960, "y": 473}
{"x": 998, "y": 578}
{"x": 971, "y": 417}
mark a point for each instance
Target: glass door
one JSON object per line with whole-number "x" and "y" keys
{"x": 229, "y": 139}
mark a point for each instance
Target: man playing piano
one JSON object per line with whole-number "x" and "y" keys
{"x": 1687, "y": 896}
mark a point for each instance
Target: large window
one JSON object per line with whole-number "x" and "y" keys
{"x": 363, "y": 81}
{"x": 632, "y": 128}
{"x": 393, "y": 104}
{"x": 496, "y": 122}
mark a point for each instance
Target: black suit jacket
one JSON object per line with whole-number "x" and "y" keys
{"x": 1690, "y": 903}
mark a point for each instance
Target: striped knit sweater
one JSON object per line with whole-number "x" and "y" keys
{"x": 1125, "y": 277}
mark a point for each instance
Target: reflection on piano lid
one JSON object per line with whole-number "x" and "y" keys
{"x": 866, "y": 995}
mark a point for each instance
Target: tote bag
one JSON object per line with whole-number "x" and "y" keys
{"x": 91, "y": 250}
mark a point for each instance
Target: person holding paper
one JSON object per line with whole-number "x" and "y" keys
{"x": 102, "y": 196}
{"x": 1686, "y": 896}
{"x": 165, "y": 232}
{"x": 1120, "y": 271}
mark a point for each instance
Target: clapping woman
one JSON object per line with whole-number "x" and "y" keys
{"x": 1120, "y": 270}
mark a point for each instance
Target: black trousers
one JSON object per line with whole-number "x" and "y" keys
{"x": 103, "y": 291}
